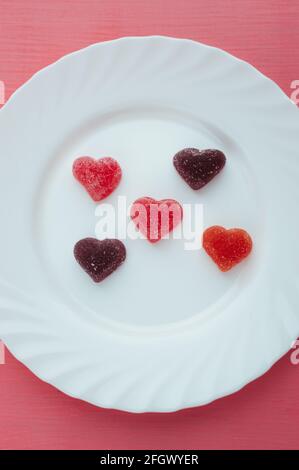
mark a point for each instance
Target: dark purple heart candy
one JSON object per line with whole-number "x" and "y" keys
{"x": 198, "y": 167}
{"x": 99, "y": 258}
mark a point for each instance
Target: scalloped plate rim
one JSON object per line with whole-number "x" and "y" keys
{"x": 13, "y": 346}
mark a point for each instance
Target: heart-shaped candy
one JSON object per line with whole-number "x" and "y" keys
{"x": 227, "y": 247}
{"x": 99, "y": 258}
{"x": 99, "y": 177}
{"x": 198, "y": 167}
{"x": 155, "y": 219}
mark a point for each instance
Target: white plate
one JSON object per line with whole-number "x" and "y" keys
{"x": 167, "y": 330}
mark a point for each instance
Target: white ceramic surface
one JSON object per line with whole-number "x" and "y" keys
{"x": 167, "y": 330}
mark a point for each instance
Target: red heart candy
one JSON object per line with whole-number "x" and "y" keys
{"x": 155, "y": 219}
{"x": 99, "y": 177}
{"x": 227, "y": 247}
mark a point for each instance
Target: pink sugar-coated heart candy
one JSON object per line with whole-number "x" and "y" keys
{"x": 155, "y": 219}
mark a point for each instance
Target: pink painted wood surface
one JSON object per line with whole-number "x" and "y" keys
{"x": 33, "y": 415}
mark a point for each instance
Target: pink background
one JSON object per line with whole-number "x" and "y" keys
{"x": 33, "y": 415}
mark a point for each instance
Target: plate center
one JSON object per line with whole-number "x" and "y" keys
{"x": 158, "y": 284}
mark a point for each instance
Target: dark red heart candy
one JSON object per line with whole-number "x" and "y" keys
{"x": 99, "y": 258}
{"x": 198, "y": 167}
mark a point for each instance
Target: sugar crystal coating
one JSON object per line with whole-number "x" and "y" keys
{"x": 99, "y": 258}
{"x": 156, "y": 219}
{"x": 198, "y": 167}
{"x": 227, "y": 247}
{"x": 99, "y": 177}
